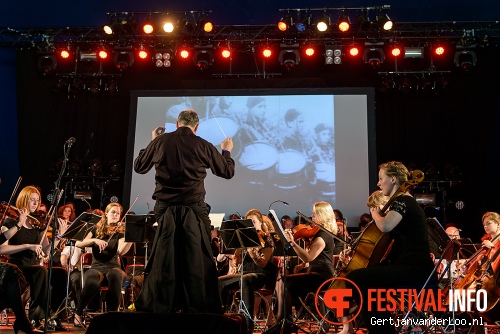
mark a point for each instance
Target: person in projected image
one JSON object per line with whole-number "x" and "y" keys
{"x": 297, "y": 136}
{"x": 256, "y": 127}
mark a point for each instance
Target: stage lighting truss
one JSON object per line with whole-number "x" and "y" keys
{"x": 289, "y": 56}
{"x": 333, "y": 54}
{"x": 374, "y": 55}
{"x": 123, "y": 58}
{"x": 47, "y": 62}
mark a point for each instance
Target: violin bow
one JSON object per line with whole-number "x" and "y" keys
{"x": 121, "y": 220}
{"x": 10, "y": 200}
{"x": 321, "y": 227}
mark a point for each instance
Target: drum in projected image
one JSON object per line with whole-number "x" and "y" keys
{"x": 291, "y": 169}
{"x": 209, "y": 129}
{"x": 325, "y": 177}
{"x": 259, "y": 159}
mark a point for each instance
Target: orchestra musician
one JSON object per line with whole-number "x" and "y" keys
{"x": 257, "y": 267}
{"x": 108, "y": 242}
{"x": 30, "y": 232}
{"x": 409, "y": 260}
{"x": 318, "y": 253}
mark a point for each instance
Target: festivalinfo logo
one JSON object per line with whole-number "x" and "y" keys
{"x": 341, "y": 290}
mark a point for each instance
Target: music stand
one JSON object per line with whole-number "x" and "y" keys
{"x": 240, "y": 233}
{"x": 77, "y": 231}
{"x": 286, "y": 247}
{"x": 81, "y": 226}
{"x": 139, "y": 228}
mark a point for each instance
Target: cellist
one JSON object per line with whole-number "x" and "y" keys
{"x": 409, "y": 261}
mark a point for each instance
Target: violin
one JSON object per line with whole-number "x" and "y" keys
{"x": 304, "y": 231}
{"x": 116, "y": 228}
{"x": 36, "y": 220}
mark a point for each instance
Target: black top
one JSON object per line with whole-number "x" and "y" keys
{"x": 24, "y": 236}
{"x": 323, "y": 263}
{"x": 181, "y": 159}
{"x": 249, "y": 266}
{"x": 108, "y": 258}
{"x": 411, "y": 243}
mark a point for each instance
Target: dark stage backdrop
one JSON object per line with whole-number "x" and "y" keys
{"x": 455, "y": 128}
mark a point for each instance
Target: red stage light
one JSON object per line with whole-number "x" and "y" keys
{"x": 396, "y": 51}
{"x": 309, "y": 52}
{"x": 353, "y": 51}
{"x": 143, "y": 54}
{"x": 184, "y": 54}
{"x": 103, "y": 54}
{"x": 439, "y": 50}
{"x": 64, "y": 54}
{"x": 267, "y": 52}
{"x": 226, "y": 53}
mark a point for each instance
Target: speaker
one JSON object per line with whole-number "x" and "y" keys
{"x": 139, "y": 322}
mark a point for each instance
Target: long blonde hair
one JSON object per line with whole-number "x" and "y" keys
{"x": 102, "y": 226}
{"x": 326, "y": 216}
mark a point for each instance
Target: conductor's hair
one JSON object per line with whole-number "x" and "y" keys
{"x": 188, "y": 117}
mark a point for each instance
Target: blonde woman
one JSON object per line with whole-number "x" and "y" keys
{"x": 318, "y": 253}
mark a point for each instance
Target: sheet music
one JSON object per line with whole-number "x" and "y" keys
{"x": 273, "y": 213}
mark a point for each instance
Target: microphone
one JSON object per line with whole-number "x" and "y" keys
{"x": 277, "y": 201}
{"x": 71, "y": 141}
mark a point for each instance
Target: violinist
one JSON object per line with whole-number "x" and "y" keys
{"x": 258, "y": 270}
{"x": 108, "y": 242}
{"x": 30, "y": 232}
{"x": 318, "y": 253}
{"x": 409, "y": 260}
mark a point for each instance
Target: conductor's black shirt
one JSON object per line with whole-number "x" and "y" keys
{"x": 181, "y": 160}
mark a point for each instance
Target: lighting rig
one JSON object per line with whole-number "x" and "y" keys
{"x": 329, "y": 36}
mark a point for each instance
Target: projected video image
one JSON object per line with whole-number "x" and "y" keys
{"x": 285, "y": 148}
{"x": 278, "y": 140}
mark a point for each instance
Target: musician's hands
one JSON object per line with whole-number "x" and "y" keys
{"x": 158, "y": 131}
{"x": 487, "y": 244}
{"x": 35, "y": 248}
{"x": 227, "y": 144}
{"x": 345, "y": 255}
{"x": 23, "y": 214}
{"x": 101, "y": 244}
{"x": 63, "y": 225}
{"x": 289, "y": 235}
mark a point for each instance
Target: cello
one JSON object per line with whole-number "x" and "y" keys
{"x": 373, "y": 245}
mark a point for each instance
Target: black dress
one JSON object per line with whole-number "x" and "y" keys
{"x": 409, "y": 262}
{"x": 37, "y": 275}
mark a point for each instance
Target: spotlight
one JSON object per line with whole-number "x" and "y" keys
{"x": 111, "y": 87}
{"x": 225, "y": 53}
{"x": 123, "y": 59}
{"x": 95, "y": 167}
{"x": 168, "y": 27}
{"x": 354, "y": 51}
{"x": 441, "y": 85}
{"x": 406, "y": 85}
{"x": 387, "y": 84}
{"x": 205, "y": 25}
{"x": 303, "y": 24}
{"x": 94, "y": 87}
{"x": 285, "y": 23}
{"x": 147, "y": 27}
{"x": 103, "y": 54}
{"x": 384, "y": 22}
{"x": 186, "y": 26}
{"x": 289, "y": 58}
{"x": 64, "y": 54}
{"x": 266, "y": 52}
{"x": 47, "y": 63}
{"x": 203, "y": 58}
{"x": 439, "y": 50}
{"x": 143, "y": 54}
{"x": 323, "y": 23}
{"x": 374, "y": 56}
{"x": 309, "y": 51}
{"x": 396, "y": 51}
{"x": 108, "y": 29}
{"x": 343, "y": 23}
{"x": 364, "y": 23}
{"x": 333, "y": 54}
{"x": 184, "y": 53}
{"x": 163, "y": 58}
{"x": 425, "y": 85}
{"x": 465, "y": 59}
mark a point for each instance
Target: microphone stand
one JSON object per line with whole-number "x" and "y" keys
{"x": 55, "y": 202}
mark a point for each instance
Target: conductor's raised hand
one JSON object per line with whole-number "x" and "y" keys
{"x": 157, "y": 132}
{"x": 227, "y": 144}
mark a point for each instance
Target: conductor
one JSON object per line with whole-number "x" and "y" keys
{"x": 181, "y": 275}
